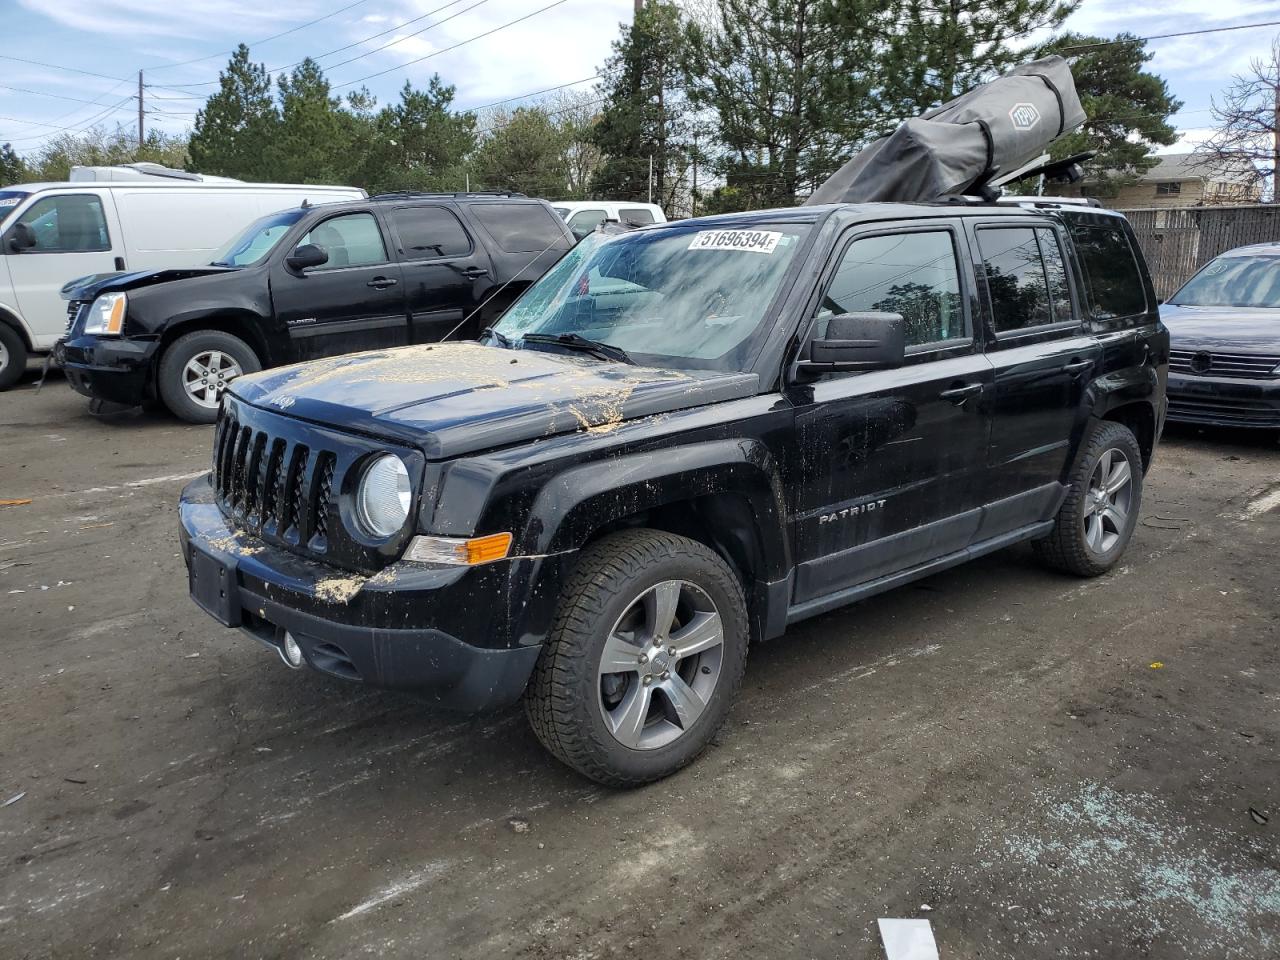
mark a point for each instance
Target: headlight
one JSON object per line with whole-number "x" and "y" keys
{"x": 382, "y": 499}
{"x": 106, "y": 315}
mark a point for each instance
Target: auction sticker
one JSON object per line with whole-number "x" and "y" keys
{"x": 9, "y": 201}
{"x": 752, "y": 241}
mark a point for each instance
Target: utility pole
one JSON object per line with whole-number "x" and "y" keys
{"x": 693, "y": 192}
{"x": 639, "y": 5}
{"x": 141, "y": 131}
{"x": 651, "y": 178}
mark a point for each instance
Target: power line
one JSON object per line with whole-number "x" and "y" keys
{"x": 1166, "y": 36}
{"x": 343, "y": 63}
{"x": 78, "y": 127}
{"x": 55, "y": 96}
{"x": 329, "y": 53}
{"x": 462, "y": 43}
{"x": 274, "y": 36}
{"x": 58, "y": 66}
{"x": 534, "y": 93}
{"x": 550, "y": 113}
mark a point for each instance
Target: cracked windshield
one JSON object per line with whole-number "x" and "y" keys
{"x": 676, "y": 297}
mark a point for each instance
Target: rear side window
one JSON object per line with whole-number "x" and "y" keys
{"x": 71, "y": 223}
{"x": 1112, "y": 278}
{"x": 520, "y": 227}
{"x": 428, "y": 233}
{"x": 584, "y": 221}
{"x": 351, "y": 240}
{"x": 1026, "y": 277}
{"x": 912, "y": 274}
{"x": 635, "y": 215}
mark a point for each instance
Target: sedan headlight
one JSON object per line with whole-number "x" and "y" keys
{"x": 106, "y": 315}
{"x": 382, "y": 498}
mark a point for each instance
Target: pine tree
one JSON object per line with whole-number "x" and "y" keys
{"x": 1127, "y": 109}
{"x": 526, "y": 151}
{"x": 646, "y": 111}
{"x": 786, "y": 81}
{"x": 12, "y": 169}
{"x": 235, "y": 126}
{"x": 311, "y": 142}
{"x": 418, "y": 143}
{"x": 931, "y": 51}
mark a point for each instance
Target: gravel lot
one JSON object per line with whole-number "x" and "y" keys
{"x": 1055, "y": 767}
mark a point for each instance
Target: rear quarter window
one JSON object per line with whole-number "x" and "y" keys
{"x": 520, "y": 227}
{"x": 1113, "y": 281}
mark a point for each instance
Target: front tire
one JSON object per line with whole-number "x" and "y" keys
{"x": 1099, "y": 514}
{"x": 13, "y": 356}
{"x": 197, "y": 367}
{"x": 644, "y": 659}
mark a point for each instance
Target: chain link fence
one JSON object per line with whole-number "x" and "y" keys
{"x": 1177, "y": 241}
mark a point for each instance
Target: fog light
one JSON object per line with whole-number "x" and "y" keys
{"x": 290, "y": 652}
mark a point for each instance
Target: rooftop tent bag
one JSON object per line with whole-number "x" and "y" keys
{"x": 993, "y": 129}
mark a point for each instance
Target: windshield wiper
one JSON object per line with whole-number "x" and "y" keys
{"x": 597, "y": 348}
{"x": 494, "y": 332}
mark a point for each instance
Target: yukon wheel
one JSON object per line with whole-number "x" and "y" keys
{"x": 13, "y": 356}
{"x": 1101, "y": 509}
{"x": 196, "y": 368}
{"x": 644, "y": 659}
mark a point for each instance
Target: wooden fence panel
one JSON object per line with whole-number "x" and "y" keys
{"x": 1177, "y": 241}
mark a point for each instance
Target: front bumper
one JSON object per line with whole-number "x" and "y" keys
{"x": 108, "y": 368}
{"x": 1224, "y": 401}
{"x": 419, "y": 629}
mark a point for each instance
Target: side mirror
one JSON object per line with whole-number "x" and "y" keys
{"x": 859, "y": 341}
{"x": 307, "y": 256}
{"x": 21, "y": 237}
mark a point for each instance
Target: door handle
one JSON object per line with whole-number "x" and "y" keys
{"x": 958, "y": 395}
{"x": 475, "y": 273}
{"x": 120, "y": 263}
{"x": 1077, "y": 366}
{"x": 381, "y": 283}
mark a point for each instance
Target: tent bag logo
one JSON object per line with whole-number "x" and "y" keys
{"x": 1024, "y": 116}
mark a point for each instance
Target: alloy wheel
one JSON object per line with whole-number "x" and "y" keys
{"x": 207, "y": 374}
{"x": 1108, "y": 500}
{"x": 660, "y": 665}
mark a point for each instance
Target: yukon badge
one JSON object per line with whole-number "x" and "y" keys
{"x": 1024, "y": 116}
{"x": 856, "y": 510}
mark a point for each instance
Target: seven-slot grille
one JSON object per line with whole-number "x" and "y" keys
{"x": 1205, "y": 363}
{"x": 271, "y": 486}
{"x": 73, "y": 313}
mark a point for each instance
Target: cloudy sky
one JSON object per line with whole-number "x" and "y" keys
{"x": 182, "y": 46}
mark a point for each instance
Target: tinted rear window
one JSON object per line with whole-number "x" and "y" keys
{"x": 1112, "y": 278}
{"x": 427, "y": 233}
{"x": 520, "y": 227}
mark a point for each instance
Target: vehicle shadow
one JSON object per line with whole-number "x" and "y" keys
{"x": 1219, "y": 437}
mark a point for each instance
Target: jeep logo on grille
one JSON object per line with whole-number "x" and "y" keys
{"x": 1024, "y": 116}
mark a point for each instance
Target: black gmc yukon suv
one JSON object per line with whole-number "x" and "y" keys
{"x": 309, "y": 282}
{"x": 678, "y": 441}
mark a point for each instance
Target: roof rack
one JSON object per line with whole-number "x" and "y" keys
{"x": 461, "y": 195}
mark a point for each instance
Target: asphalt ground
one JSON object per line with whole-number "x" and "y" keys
{"x": 1041, "y": 766}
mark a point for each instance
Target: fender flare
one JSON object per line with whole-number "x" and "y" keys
{"x": 576, "y": 503}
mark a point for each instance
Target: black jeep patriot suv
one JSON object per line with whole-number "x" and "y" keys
{"x": 678, "y": 441}
{"x": 308, "y": 282}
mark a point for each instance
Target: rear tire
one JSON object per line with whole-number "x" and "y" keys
{"x": 185, "y": 391}
{"x": 1099, "y": 514}
{"x": 13, "y": 356}
{"x": 667, "y": 612}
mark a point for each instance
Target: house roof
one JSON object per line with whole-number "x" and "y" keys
{"x": 1188, "y": 166}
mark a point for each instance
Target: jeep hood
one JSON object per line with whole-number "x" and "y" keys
{"x": 86, "y": 288}
{"x": 457, "y": 398}
{"x": 1223, "y": 329}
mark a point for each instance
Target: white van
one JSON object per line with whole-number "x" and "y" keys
{"x": 104, "y": 219}
{"x": 583, "y": 216}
